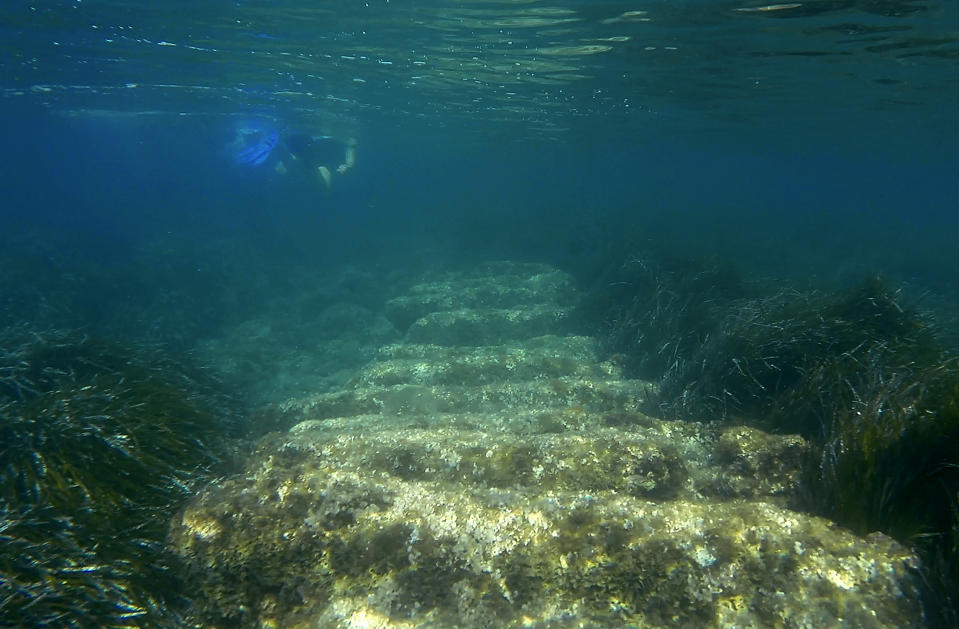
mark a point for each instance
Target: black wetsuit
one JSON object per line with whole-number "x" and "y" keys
{"x": 316, "y": 152}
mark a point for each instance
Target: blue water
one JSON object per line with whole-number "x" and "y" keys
{"x": 816, "y": 142}
{"x": 813, "y": 144}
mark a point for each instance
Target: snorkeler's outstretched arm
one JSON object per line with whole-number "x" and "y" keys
{"x": 349, "y": 156}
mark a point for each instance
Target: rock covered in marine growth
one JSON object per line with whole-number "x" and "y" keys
{"x": 489, "y": 472}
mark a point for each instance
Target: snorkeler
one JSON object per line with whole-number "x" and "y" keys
{"x": 257, "y": 141}
{"x": 322, "y": 155}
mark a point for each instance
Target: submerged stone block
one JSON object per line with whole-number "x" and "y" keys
{"x": 427, "y": 364}
{"x": 490, "y": 472}
{"x": 487, "y": 326}
{"x": 411, "y": 399}
{"x": 408, "y": 529}
{"x": 505, "y": 286}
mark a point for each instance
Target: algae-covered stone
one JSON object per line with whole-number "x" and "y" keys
{"x": 497, "y": 286}
{"x": 436, "y": 529}
{"x": 543, "y": 394}
{"x": 490, "y": 472}
{"x": 753, "y": 462}
{"x": 487, "y": 326}
{"x": 534, "y": 358}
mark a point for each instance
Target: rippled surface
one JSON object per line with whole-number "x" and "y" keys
{"x": 519, "y": 68}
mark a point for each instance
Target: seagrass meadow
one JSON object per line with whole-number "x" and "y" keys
{"x": 101, "y": 443}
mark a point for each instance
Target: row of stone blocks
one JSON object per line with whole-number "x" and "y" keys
{"x": 492, "y": 472}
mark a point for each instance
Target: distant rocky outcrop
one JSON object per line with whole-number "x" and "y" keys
{"x": 490, "y": 471}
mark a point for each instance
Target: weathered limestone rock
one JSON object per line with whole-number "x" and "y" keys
{"x": 491, "y": 286}
{"x": 516, "y": 484}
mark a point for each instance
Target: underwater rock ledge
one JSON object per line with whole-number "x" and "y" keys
{"x": 330, "y": 529}
{"x": 476, "y": 477}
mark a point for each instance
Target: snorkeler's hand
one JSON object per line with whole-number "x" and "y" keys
{"x": 342, "y": 168}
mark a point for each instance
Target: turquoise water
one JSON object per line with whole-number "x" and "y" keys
{"x": 799, "y": 146}
{"x": 818, "y": 140}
